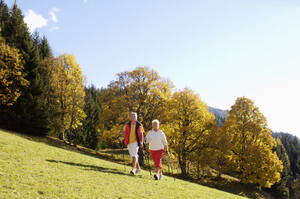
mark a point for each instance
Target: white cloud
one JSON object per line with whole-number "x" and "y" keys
{"x": 34, "y": 20}
{"x": 53, "y": 16}
{"x": 85, "y": 1}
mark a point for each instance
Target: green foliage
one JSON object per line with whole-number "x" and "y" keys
{"x": 88, "y": 135}
{"x": 28, "y": 114}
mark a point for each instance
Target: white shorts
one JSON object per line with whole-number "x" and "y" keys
{"x": 133, "y": 149}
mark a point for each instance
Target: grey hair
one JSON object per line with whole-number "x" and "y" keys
{"x": 133, "y": 113}
{"x": 155, "y": 121}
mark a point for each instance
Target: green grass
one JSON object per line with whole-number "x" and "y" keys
{"x": 33, "y": 169}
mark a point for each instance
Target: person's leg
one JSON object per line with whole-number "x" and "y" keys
{"x": 137, "y": 165}
{"x": 134, "y": 154}
{"x": 153, "y": 155}
{"x": 159, "y": 165}
{"x": 158, "y": 170}
{"x": 133, "y": 162}
{"x": 131, "y": 150}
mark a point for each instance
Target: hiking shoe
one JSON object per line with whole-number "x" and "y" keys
{"x": 161, "y": 177}
{"x": 155, "y": 177}
{"x": 132, "y": 172}
{"x": 138, "y": 170}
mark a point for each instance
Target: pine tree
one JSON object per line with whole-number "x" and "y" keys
{"x": 45, "y": 49}
{"x": 4, "y": 15}
{"x": 28, "y": 114}
{"x": 88, "y": 134}
{"x": 280, "y": 187}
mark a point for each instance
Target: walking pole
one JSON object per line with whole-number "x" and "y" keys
{"x": 149, "y": 163}
{"x": 122, "y": 145}
{"x": 123, "y": 156}
{"x": 171, "y": 167}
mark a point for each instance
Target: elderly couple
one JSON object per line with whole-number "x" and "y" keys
{"x": 134, "y": 138}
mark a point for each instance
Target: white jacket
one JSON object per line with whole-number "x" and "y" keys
{"x": 156, "y": 139}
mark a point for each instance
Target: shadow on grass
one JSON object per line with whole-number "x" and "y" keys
{"x": 91, "y": 167}
{"x": 220, "y": 184}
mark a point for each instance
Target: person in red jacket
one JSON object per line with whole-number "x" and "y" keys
{"x": 134, "y": 138}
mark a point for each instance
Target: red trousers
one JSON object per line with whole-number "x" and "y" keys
{"x": 156, "y": 156}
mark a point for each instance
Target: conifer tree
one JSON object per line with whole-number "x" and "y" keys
{"x": 28, "y": 114}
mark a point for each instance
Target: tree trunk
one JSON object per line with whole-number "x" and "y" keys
{"x": 62, "y": 134}
{"x": 198, "y": 169}
{"x": 182, "y": 164}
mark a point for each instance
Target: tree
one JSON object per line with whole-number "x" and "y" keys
{"x": 45, "y": 49}
{"x": 280, "y": 187}
{"x": 67, "y": 90}
{"x": 251, "y": 155}
{"x": 189, "y": 124}
{"x": 4, "y": 14}
{"x": 88, "y": 134}
{"x": 43, "y": 46}
{"x": 28, "y": 114}
{"x": 12, "y": 76}
{"x": 141, "y": 90}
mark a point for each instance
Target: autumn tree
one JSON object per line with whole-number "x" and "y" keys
{"x": 250, "y": 153}
{"x": 141, "y": 90}
{"x": 189, "y": 124}
{"x": 66, "y": 93}
{"x": 12, "y": 76}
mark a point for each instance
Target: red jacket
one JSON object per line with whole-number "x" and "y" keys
{"x": 138, "y": 132}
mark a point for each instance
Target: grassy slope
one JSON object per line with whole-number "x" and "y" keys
{"x": 30, "y": 169}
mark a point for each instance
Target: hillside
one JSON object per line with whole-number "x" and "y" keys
{"x": 219, "y": 114}
{"x": 32, "y": 169}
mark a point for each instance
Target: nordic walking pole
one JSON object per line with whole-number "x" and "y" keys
{"x": 170, "y": 166}
{"x": 149, "y": 163}
{"x": 123, "y": 156}
{"x": 122, "y": 146}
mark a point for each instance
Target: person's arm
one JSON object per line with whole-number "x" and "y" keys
{"x": 142, "y": 135}
{"x": 165, "y": 143}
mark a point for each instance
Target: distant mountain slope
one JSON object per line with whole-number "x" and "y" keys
{"x": 219, "y": 114}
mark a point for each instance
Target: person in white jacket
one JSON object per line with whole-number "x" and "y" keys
{"x": 157, "y": 143}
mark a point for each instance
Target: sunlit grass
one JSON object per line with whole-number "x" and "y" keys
{"x": 30, "y": 169}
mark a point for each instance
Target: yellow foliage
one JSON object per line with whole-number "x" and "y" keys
{"x": 189, "y": 125}
{"x": 12, "y": 77}
{"x": 66, "y": 88}
{"x": 141, "y": 90}
{"x": 250, "y": 144}
{"x": 111, "y": 138}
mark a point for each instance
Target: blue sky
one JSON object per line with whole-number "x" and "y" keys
{"x": 222, "y": 49}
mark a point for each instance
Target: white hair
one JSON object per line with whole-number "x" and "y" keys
{"x": 133, "y": 113}
{"x": 155, "y": 121}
